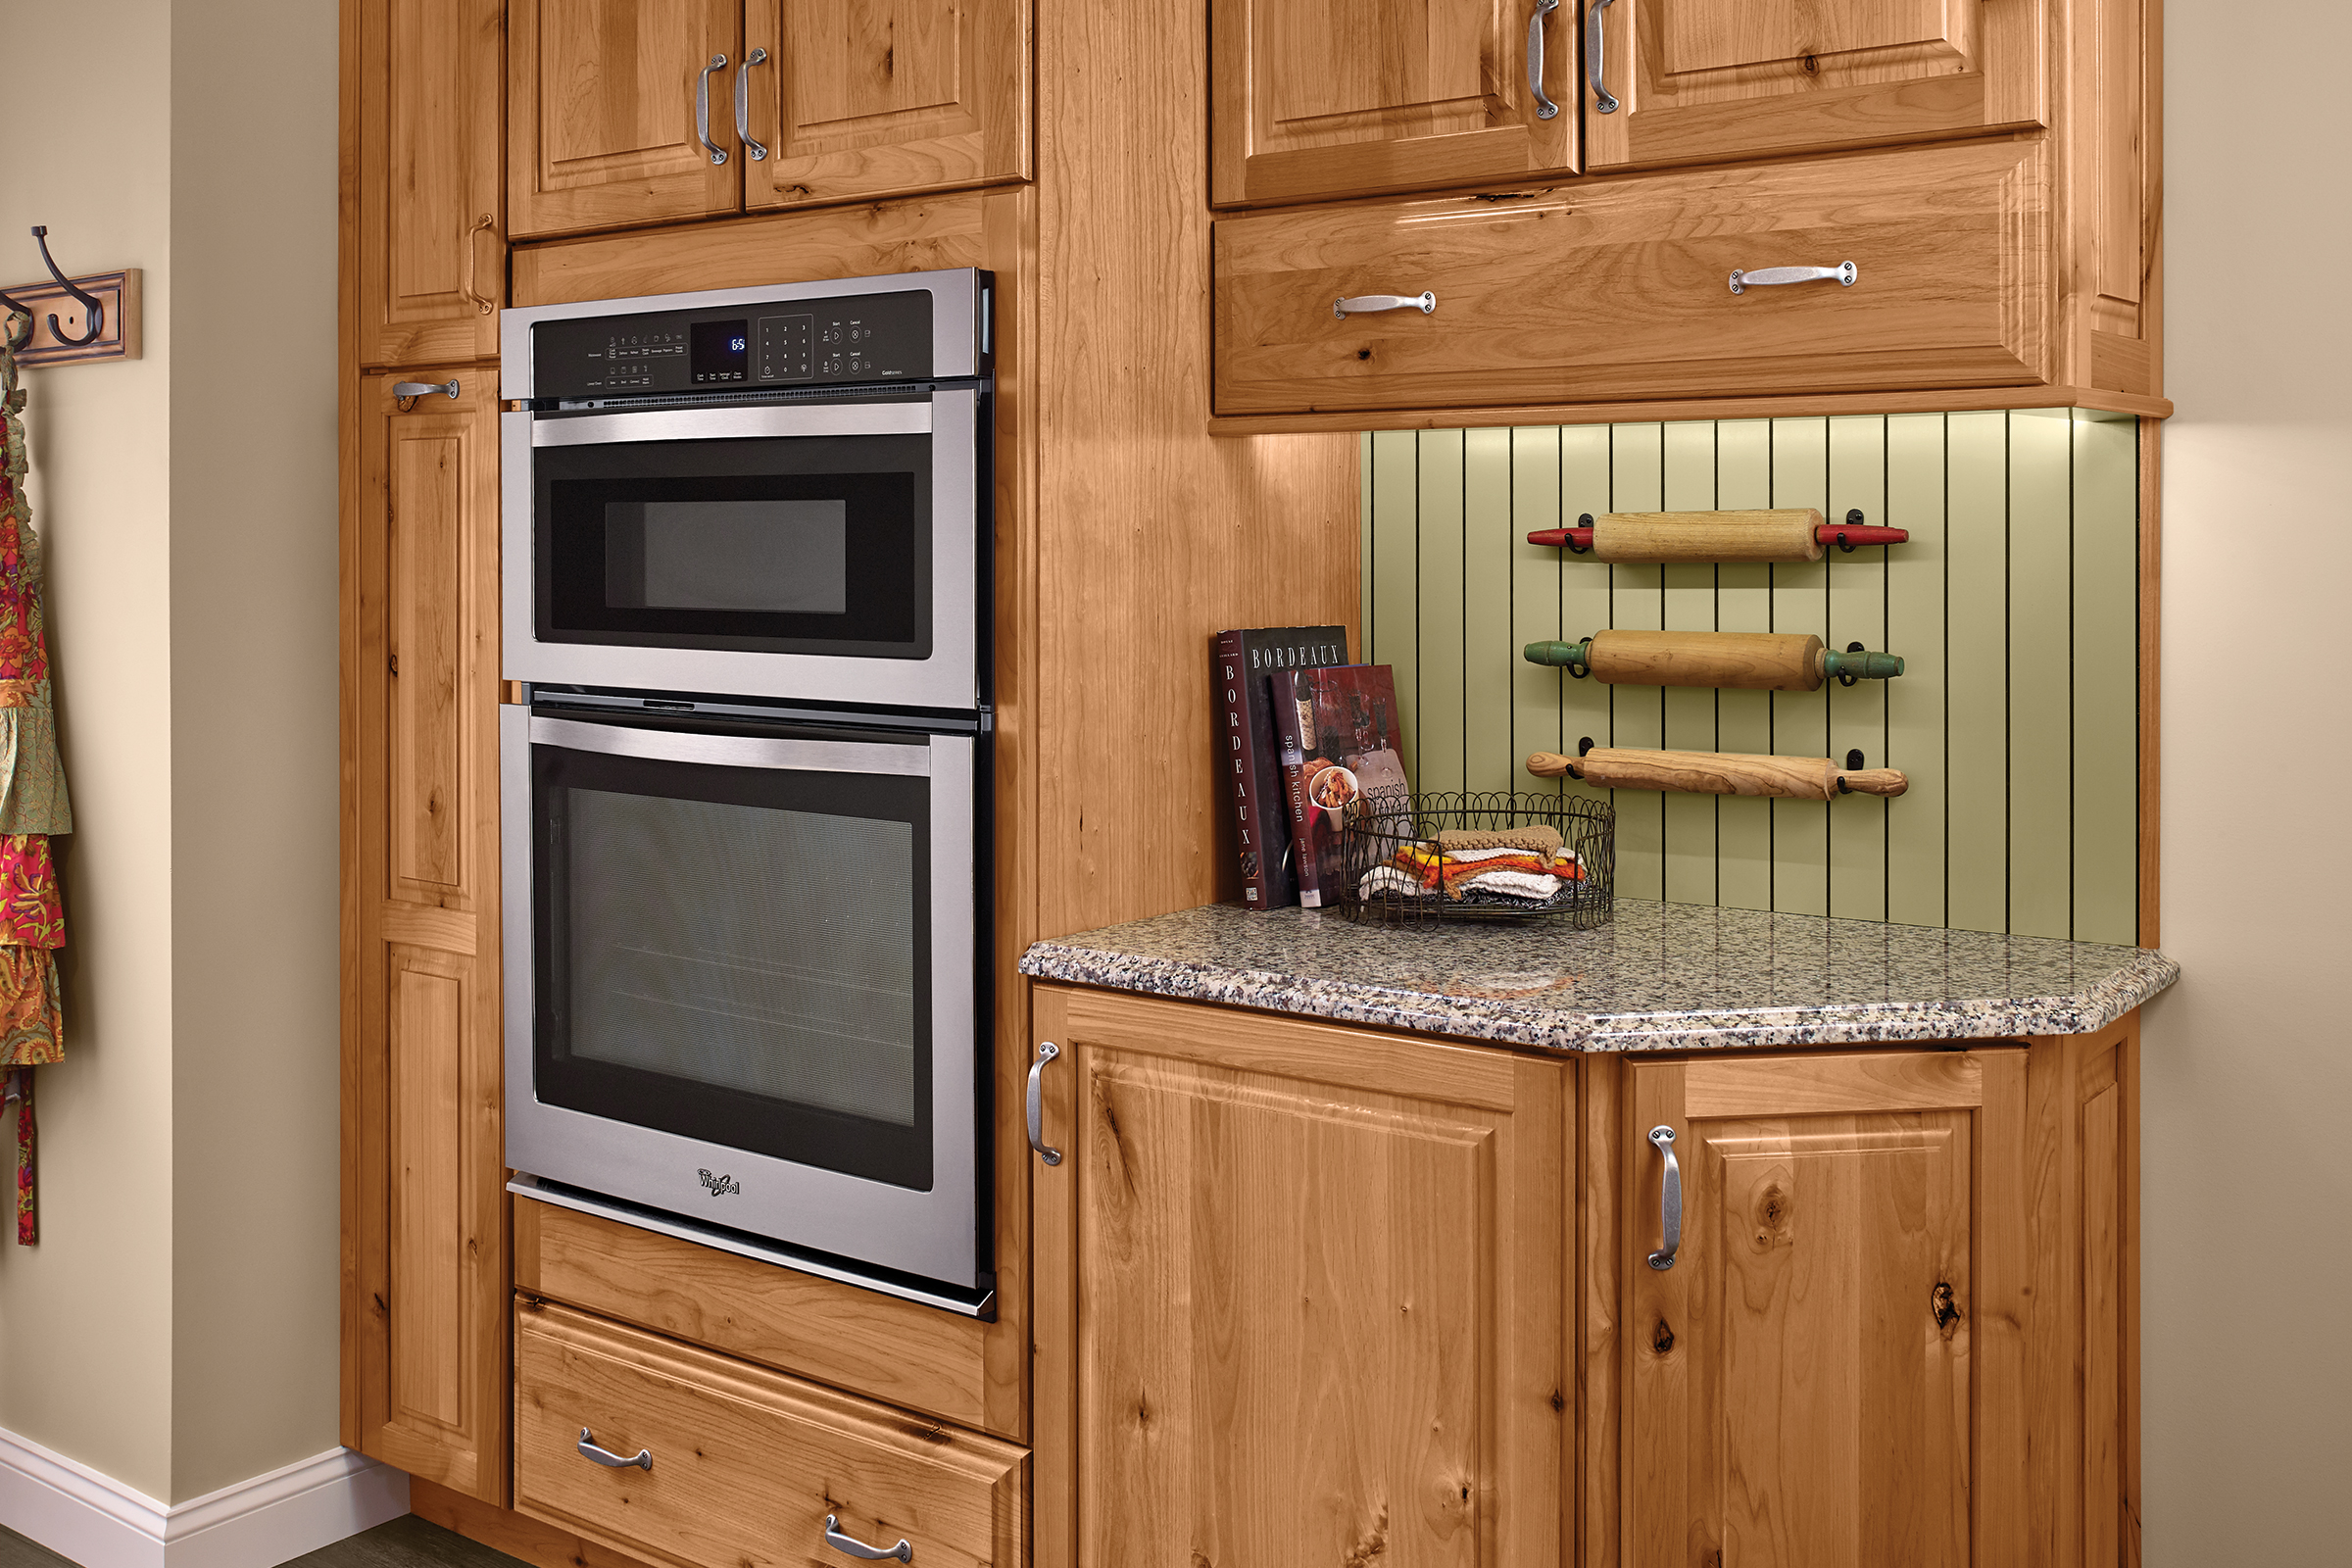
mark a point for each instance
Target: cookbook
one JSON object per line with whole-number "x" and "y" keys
{"x": 1249, "y": 766}
{"x": 1342, "y": 743}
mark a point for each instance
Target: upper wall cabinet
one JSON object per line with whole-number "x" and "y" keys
{"x": 432, "y": 257}
{"x": 1333, "y": 97}
{"x": 1695, "y": 81}
{"x": 625, "y": 113}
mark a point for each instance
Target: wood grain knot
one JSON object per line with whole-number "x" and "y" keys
{"x": 1942, "y": 1301}
{"x": 1661, "y": 1338}
{"x": 1370, "y": 1544}
{"x": 1771, "y": 1219}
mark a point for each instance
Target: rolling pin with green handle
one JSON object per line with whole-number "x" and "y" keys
{"x": 1652, "y": 538}
{"x": 1749, "y": 660}
{"x": 1803, "y": 778}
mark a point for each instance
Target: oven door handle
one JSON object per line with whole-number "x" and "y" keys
{"x": 736, "y": 423}
{"x": 732, "y": 751}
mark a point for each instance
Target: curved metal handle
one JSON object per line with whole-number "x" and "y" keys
{"x": 743, "y": 104}
{"x": 1544, "y": 107}
{"x": 1600, "y": 94}
{"x": 859, "y": 1549}
{"x": 1773, "y": 276}
{"x": 702, "y": 108}
{"x": 483, "y": 302}
{"x": 1047, "y": 1051}
{"x": 408, "y": 392}
{"x": 644, "y": 1460}
{"x": 1670, "y": 1203}
{"x": 1365, "y": 303}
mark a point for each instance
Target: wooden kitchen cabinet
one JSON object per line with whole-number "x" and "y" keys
{"x": 424, "y": 1179}
{"x": 1314, "y": 98}
{"x": 1298, "y": 1293}
{"x": 426, "y": 120}
{"x": 616, "y": 107}
{"x": 1705, "y": 81}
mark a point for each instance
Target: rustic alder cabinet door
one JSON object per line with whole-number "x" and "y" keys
{"x": 883, "y": 97}
{"x": 431, "y": 251}
{"x": 1299, "y": 1293}
{"x": 424, "y": 1320}
{"x": 1832, "y": 1369}
{"x": 602, "y": 123}
{"x": 1337, "y": 97}
{"x": 1696, "y": 81}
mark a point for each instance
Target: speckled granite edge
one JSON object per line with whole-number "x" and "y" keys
{"x": 1555, "y": 1028}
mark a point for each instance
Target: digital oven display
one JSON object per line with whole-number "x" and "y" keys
{"x": 719, "y": 351}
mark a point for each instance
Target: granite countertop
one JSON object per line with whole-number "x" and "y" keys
{"x": 1659, "y": 977}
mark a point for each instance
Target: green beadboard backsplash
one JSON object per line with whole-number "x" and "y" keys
{"x": 2015, "y": 605}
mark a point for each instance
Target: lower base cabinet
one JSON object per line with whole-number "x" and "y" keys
{"x": 677, "y": 1456}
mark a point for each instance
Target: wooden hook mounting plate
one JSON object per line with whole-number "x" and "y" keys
{"x": 118, "y": 292}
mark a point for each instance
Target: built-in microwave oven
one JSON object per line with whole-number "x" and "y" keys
{"x": 777, "y": 492}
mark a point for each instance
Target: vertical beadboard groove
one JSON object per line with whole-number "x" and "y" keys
{"x": 2014, "y": 606}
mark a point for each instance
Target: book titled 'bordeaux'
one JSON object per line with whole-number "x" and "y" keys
{"x": 1248, "y": 765}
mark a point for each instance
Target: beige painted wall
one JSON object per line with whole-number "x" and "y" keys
{"x": 2248, "y": 1073}
{"x": 87, "y": 1313}
{"x": 257, "y": 1216}
{"x": 176, "y": 1326}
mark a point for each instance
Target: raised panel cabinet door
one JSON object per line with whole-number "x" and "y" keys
{"x": 1299, "y": 1293}
{"x": 424, "y": 1318}
{"x": 431, "y": 244}
{"x": 1694, "y": 80}
{"x": 609, "y": 103}
{"x": 1827, "y": 1364}
{"x": 858, "y": 98}
{"x": 1314, "y": 98}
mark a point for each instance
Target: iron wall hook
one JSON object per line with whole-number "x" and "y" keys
{"x": 94, "y": 310}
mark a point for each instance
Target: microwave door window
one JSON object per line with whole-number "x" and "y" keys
{"x": 740, "y": 957}
{"x": 778, "y": 557}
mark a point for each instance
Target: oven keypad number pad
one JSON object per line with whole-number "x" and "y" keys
{"x": 787, "y": 348}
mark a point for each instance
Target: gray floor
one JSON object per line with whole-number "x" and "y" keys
{"x": 404, "y": 1543}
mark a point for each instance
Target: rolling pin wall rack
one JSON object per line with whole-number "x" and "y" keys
{"x": 1742, "y": 661}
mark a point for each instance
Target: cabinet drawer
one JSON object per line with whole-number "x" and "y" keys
{"x": 746, "y": 1464}
{"x": 1620, "y": 289}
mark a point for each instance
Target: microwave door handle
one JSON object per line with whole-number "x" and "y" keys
{"x": 755, "y": 421}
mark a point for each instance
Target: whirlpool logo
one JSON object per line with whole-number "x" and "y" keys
{"x": 720, "y": 1185}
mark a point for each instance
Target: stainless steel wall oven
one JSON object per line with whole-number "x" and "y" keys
{"x": 745, "y": 806}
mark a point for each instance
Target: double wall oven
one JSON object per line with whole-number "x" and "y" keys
{"x": 745, "y": 832}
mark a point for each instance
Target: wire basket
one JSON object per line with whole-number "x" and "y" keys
{"x": 1380, "y": 825}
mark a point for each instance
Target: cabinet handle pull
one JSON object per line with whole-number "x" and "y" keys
{"x": 743, "y": 105}
{"x": 1047, "y": 1051}
{"x": 1600, "y": 94}
{"x": 1365, "y": 303}
{"x": 644, "y": 1460}
{"x": 1544, "y": 107}
{"x": 482, "y": 302}
{"x": 1773, "y": 276}
{"x": 1670, "y": 1202}
{"x": 702, "y": 108}
{"x": 406, "y": 393}
{"x": 859, "y": 1549}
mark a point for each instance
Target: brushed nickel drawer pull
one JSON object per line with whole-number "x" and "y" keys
{"x": 1600, "y": 95}
{"x": 1047, "y": 1051}
{"x": 1365, "y": 303}
{"x": 406, "y": 393}
{"x": 1769, "y": 276}
{"x": 702, "y": 108}
{"x": 1670, "y": 1202}
{"x": 743, "y": 105}
{"x": 903, "y": 1551}
{"x": 1544, "y": 107}
{"x": 644, "y": 1460}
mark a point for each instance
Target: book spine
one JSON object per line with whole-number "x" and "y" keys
{"x": 1292, "y": 738}
{"x": 1237, "y": 764}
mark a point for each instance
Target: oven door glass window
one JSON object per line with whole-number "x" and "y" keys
{"x": 777, "y": 544}
{"x": 739, "y": 955}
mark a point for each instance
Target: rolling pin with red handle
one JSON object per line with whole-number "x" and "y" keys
{"x": 1803, "y": 778}
{"x": 1747, "y": 660}
{"x": 1655, "y": 538}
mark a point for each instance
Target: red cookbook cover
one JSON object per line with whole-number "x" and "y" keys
{"x": 1342, "y": 741}
{"x": 1247, "y": 764}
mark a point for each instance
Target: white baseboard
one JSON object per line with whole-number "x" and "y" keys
{"x": 98, "y": 1521}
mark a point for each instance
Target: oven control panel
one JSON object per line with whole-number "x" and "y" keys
{"x": 786, "y": 343}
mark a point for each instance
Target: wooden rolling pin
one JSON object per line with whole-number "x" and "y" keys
{"x": 1803, "y": 778}
{"x": 1651, "y": 538}
{"x": 1749, "y": 661}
